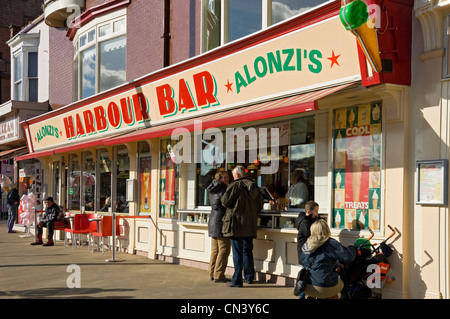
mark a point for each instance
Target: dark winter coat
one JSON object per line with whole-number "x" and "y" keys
{"x": 12, "y": 197}
{"x": 303, "y": 224}
{"x": 51, "y": 214}
{"x": 243, "y": 201}
{"x": 215, "y": 191}
{"x": 322, "y": 256}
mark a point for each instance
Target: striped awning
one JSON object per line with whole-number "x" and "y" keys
{"x": 13, "y": 152}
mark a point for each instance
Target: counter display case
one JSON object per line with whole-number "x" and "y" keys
{"x": 193, "y": 216}
{"x": 277, "y": 221}
{"x": 267, "y": 219}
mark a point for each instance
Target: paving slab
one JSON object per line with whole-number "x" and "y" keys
{"x": 60, "y": 272}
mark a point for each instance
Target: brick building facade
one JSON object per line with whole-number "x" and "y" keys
{"x": 15, "y": 14}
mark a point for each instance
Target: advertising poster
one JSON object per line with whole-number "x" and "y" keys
{"x": 145, "y": 164}
{"x": 356, "y": 173}
{"x": 168, "y": 182}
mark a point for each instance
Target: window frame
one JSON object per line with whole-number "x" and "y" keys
{"x": 266, "y": 21}
{"x": 375, "y": 166}
{"x": 98, "y": 171}
{"x": 268, "y": 124}
{"x": 83, "y": 33}
{"x": 24, "y": 80}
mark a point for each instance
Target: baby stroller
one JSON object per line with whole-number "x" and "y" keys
{"x": 369, "y": 270}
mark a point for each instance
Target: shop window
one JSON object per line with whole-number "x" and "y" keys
{"x": 168, "y": 181}
{"x": 100, "y": 56}
{"x": 88, "y": 181}
{"x": 206, "y": 170}
{"x": 31, "y": 188}
{"x": 55, "y": 182}
{"x": 301, "y": 156}
{"x": 145, "y": 178}
{"x": 228, "y": 20}
{"x": 74, "y": 182}
{"x": 121, "y": 176}
{"x": 296, "y": 157}
{"x": 103, "y": 188}
{"x": 356, "y": 172}
{"x": 6, "y": 179}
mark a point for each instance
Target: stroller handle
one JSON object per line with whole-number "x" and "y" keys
{"x": 367, "y": 240}
{"x": 371, "y": 233}
{"x": 393, "y": 231}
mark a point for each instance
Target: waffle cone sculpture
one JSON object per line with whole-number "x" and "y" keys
{"x": 354, "y": 17}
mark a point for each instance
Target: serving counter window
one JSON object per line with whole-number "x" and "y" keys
{"x": 88, "y": 183}
{"x": 55, "y": 181}
{"x": 356, "y": 173}
{"x": 74, "y": 182}
{"x": 290, "y": 186}
{"x": 122, "y": 174}
{"x": 206, "y": 170}
{"x": 104, "y": 181}
{"x": 168, "y": 180}
{"x": 301, "y": 154}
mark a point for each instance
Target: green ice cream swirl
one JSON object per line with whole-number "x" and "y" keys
{"x": 354, "y": 14}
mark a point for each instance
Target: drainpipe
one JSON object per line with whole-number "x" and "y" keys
{"x": 166, "y": 36}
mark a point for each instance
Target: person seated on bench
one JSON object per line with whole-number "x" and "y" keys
{"x": 52, "y": 213}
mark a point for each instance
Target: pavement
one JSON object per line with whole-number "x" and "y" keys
{"x": 58, "y": 272}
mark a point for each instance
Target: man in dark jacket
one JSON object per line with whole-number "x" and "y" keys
{"x": 220, "y": 246}
{"x": 303, "y": 224}
{"x": 50, "y": 216}
{"x": 243, "y": 201}
{"x": 13, "y": 200}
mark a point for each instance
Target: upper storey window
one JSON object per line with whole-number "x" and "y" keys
{"x": 100, "y": 56}
{"x": 228, "y": 20}
{"x": 24, "y": 58}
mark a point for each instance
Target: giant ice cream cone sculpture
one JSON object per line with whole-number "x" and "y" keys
{"x": 354, "y": 17}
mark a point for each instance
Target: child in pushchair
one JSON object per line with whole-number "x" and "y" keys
{"x": 370, "y": 269}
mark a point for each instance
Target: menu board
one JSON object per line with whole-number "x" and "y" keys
{"x": 356, "y": 168}
{"x": 432, "y": 182}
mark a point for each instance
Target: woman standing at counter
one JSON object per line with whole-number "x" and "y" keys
{"x": 220, "y": 246}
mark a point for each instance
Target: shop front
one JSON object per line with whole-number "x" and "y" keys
{"x": 290, "y": 108}
{"x": 13, "y": 144}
